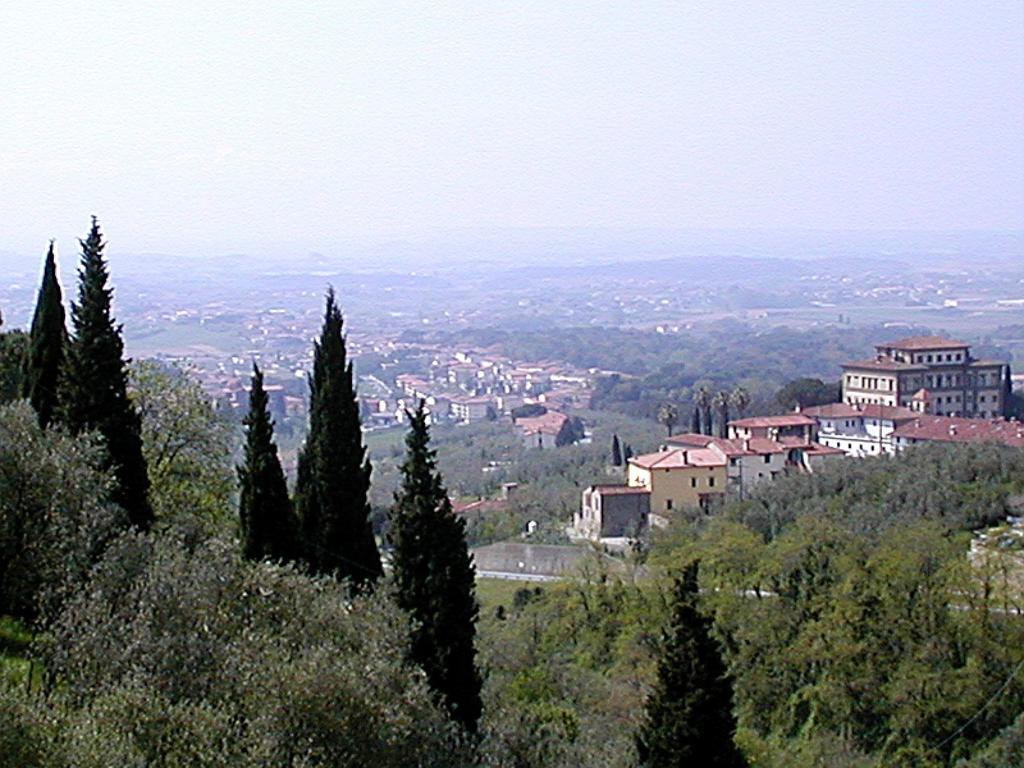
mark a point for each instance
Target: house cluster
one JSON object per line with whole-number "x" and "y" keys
{"x": 467, "y": 388}
{"x": 691, "y": 471}
{"x": 928, "y": 374}
{"x": 916, "y": 390}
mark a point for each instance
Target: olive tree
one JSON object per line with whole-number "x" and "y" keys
{"x": 54, "y": 520}
{"x": 187, "y": 445}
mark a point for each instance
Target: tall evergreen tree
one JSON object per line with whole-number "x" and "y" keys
{"x": 434, "y": 578}
{"x": 689, "y": 718}
{"x": 265, "y": 511}
{"x": 616, "y": 451}
{"x": 695, "y": 421}
{"x": 46, "y": 345}
{"x": 334, "y": 473}
{"x": 94, "y": 384}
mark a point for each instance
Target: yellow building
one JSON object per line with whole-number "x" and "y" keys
{"x": 679, "y": 478}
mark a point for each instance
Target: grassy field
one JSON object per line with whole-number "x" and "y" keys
{"x": 14, "y": 643}
{"x": 494, "y": 592}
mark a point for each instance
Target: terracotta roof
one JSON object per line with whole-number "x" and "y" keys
{"x": 817, "y": 449}
{"x": 549, "y": 423}
{"x": 833, "y": 411}
{"x": 788, "y": 420}
{"x": 922, "y": 342}
{"x": 953, "y": 429}
{"x": 885, "y": 365}
{"x": 679, "y": 458}
{"x": 691, "y": 440}
{"x": 868, "y": 410}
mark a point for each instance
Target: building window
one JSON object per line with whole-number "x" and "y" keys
{"x": 668, "y": 503}
{"x": 767, "y": 459}
{"x": 693, "y": 482}
{"x": 711, "y": 482}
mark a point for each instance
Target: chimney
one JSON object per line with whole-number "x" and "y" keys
{"x": 746, "y": 443}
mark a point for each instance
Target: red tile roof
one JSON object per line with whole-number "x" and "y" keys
{"x": 691, "y": 440}
{"x": 922, "y": 343}
{"x": 817, "y": 449}
{"x": 869, "y": 410}
{"x": 549, "y": 423}
{"x": 679, "y": 458}
{"x": 884, "y": 365}
{"x": 953, "y": 429}
{"x": 787, "y": 420}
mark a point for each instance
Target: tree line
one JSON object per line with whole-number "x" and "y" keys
{"x": 77, "y": 385}
{"x": 204, "y": 652}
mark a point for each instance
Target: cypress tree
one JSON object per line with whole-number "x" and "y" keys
{"x": 695, "y": 421}
{"x": 434, "y": 578}
{"x": 264, "y": 509}
{"x": 334, "y": 473}
{"x": 616, "y": 452}
{"x": 689, "y": 719}
{"x": 46, "y": 345}
{"x": 94, "y": 385}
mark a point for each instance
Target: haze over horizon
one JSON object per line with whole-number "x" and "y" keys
{"x": 236, "y": 127}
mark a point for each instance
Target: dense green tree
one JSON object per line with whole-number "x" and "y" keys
{"x": 806, "y": 393}
{"x": 53, "y": 519}
{"x": 264, "y": 509}
{"x": 689, "y": 716}
{"x": 571, "y": 432}
{"x": 695, "y": 421}
{"x": 94, "y": 386}
{"x": 668, "y": 414}
{"x": 188, "y": 448}
{"x": 527, "y": 411}
{"x": 1006, "y": 749}
{"x": 46, "y": 344}
{"x": 13, "y": 349}
{"x": 334, "y": 471}
{"x": 179, "y": 653}
{"x": 435, "y": 579}
{"x": 616, "y": 451}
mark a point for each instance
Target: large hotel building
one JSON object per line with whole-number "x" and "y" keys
{"x": 928, "y": 374}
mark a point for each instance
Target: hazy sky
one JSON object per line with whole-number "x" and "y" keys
{"x": 194, "y": 126}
